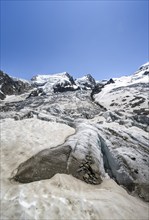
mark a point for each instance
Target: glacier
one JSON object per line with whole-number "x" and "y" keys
{"x": 75, "y": 148}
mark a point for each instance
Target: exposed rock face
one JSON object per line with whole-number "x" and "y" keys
{"x": 111, "y": 124}
{"x": 9, "y": 86}
{"x": 2, "y": 95}
{"x": 110, "y": 81}
{"x": 97, "y": 88}
{"x": 64, "y": 87}
{"x": 37, "y": 92}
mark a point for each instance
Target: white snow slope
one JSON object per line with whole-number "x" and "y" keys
{"x": 122, "y": 94}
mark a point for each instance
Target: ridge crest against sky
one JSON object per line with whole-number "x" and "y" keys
{"x": 104, "y": 38}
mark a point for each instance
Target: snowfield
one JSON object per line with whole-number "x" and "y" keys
{"x": 125, "y": 91}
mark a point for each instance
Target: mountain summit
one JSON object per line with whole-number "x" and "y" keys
{"x": 75, "y": 148}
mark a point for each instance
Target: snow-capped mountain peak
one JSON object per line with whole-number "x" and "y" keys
{"x": 86, "y": 82}
{"x": 52, "y": 78}
{"x": 52, "y": 82}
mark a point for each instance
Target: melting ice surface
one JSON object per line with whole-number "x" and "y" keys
{"x": 63, "y": 196}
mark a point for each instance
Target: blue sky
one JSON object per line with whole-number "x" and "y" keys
{"x": 104, "y": 38}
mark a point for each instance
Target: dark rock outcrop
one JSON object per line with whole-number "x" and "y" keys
{"x": 9, "y": 86}
{"x": 110, "y": 81}
{"x": 2, "y": 95}
{"x": 86, "y": 82}
{"x": 146, "y": 73}
{"x": 66, "y": 86}
{"x": 97, "y": 88}
{"x": 36, "y": 92}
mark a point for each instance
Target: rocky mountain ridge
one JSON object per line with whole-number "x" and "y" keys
{"x": 12, "y": 86}
{"x": 106, "y": 123}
